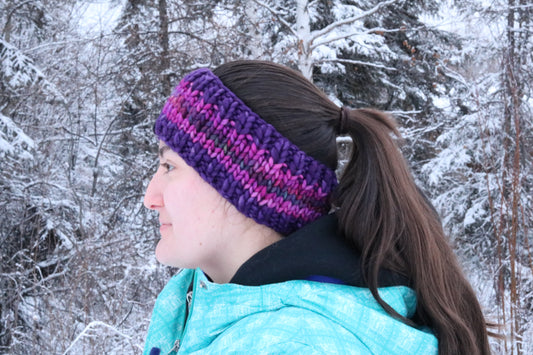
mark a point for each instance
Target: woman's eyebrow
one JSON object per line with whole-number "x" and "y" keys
{"x": 163, "y": 149}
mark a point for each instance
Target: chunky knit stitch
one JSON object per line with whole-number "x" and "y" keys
{"x": 263, "y": 174}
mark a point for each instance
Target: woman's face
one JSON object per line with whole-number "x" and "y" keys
{"x": 191, "y": 214}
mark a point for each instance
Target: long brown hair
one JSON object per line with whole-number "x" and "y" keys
{"x": 379, "y": 207}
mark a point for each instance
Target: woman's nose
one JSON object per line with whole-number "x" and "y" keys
{"x": 152, "y": 196}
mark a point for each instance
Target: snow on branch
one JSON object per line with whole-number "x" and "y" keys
{"x": 278, "y": 15}
{"x": 13, "y": 140}
{"x": 377, "y": 30}
{"x": 78, "y": 41}
{"x": 403, "y": 113}
{"x": 95, "y": 324}
{"x": 334, "y": 25}
{"x": 359, "y": 62}
{"x": 312, "y": 3}
{"x": 19, "y": 70}
{"x": 17, "y": 67}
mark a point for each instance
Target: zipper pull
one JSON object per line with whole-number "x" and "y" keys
{"x": 175, "y": 348}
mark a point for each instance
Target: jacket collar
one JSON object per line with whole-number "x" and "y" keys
{"x": 316, "y": 252}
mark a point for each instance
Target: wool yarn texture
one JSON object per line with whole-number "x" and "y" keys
{"x": 264, "y": 175}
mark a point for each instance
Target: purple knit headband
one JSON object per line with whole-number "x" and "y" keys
{"x": 244, "y": 158}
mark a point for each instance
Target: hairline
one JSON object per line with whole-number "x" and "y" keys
{"x": 163, "y": 149}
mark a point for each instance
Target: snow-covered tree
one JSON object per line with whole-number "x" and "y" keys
{"x": 58, "y": 109}
{"x": 364, "y": 54}
{"x": 482, "y": 175}
{"x": 78, "y": 101}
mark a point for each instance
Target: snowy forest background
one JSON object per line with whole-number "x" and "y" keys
{"x": 81, "y": 84}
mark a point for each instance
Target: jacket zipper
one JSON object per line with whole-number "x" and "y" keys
{"x": 175, "y": 348}
{"x": 189, "y": 300}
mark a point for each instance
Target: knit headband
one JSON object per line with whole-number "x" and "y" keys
{"x": 244, "y": 158}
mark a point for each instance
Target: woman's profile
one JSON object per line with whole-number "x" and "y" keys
{"x": 277, "y": 255}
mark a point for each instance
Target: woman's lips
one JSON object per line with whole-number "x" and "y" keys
{"x": 164, "y": 226}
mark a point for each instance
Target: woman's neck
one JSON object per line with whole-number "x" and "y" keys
{"x": 242, "y": 242}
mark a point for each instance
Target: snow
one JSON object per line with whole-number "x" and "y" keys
{"x": 464, "y": 23}
{"x": 441, "y": 102}
{"x": 98, "y": 16}
{"x": 17, "y": 67}
{"x": 102, "y": 273}
{"x": 13, "y": 140}
{"x": 474, "y": 213}
{"x": 324, "y": 52}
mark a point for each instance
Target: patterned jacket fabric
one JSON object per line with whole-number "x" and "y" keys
{"x": 293, "y": 317}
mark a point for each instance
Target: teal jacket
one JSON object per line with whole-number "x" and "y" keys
{"x": 293, "y": 317}
{"x": 271, "y": 306}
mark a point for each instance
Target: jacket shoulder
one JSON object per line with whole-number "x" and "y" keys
{"x": 288, "y": 330}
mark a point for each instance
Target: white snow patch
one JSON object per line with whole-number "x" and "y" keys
{"x": 441, "y": 102}
{"x": 474, "y": 214}
{"x": 13, "y": 140}
{"x": 99, "y": 16}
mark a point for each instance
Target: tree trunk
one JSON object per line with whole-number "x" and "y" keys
{"x": 255, "y": 37}
{"x": 303, "y": 30}
{"x": 163, "y": 42}
{"x": 513, "y": 109}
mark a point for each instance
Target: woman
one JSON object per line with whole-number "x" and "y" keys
{"x": 278, "y": 256}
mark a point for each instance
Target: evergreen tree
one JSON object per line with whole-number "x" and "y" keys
{"x": 366, "y": 54}
{"x": 485, "y": 162}
{"x": 77, "y": 107}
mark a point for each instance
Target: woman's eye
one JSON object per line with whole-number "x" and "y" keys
{"x": 167, "y": 167}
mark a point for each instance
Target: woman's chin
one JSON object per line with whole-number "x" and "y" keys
{"x": 163, "y": 254}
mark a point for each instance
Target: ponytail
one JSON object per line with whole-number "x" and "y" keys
{"x": 379, "y": 208}
{"x": 387, "y": 218}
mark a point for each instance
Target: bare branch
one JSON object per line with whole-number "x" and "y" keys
{"x": 40, "y": 182}
{"x": 42, "y": 281}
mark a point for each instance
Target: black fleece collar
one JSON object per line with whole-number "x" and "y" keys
{"x": 316, "y": 251}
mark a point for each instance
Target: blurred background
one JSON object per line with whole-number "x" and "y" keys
{"x": 81, "y": 83}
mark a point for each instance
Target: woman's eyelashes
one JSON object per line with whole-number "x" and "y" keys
{"x": 167, "y": 167}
